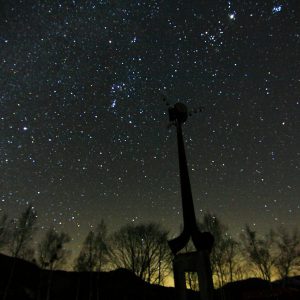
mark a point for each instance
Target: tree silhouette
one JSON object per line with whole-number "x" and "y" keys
{"x": 21, "y": 233}
{"x": 51, "y": 252}
{"x": 94, "y": 253}
{"x": 258, "y": 251}
{"x": 232, "y": 259}
{"x": 225, "y": 251}
{"x": 213, "y": 225}
{"x": 19, "y": 241}
{"x": 143, "y": 250}
{"x": 288, "y": 251}
{"x": 3, "y": 231}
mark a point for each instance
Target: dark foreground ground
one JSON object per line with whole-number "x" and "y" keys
{"x": 21, "y": 280}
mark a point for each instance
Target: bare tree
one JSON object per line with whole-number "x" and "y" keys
{"x": 142, "y": 249}
{"x": 224, "y": 255}
{"x": 22, "y": 231}
{"x": 3, "y": 231}
{"x": 19, "y": 241}
{"x": 51, "y": 252}
{"x": 232, "y": 259}
{"x": 258, "y": 251}
{"x": 288, "y": 251}
{"x": 86, "y": 260}
{"x": 163, "y": 261}
{"x": 94, "y": 253}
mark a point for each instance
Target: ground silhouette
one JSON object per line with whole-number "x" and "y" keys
{"x": 20, "y": 279}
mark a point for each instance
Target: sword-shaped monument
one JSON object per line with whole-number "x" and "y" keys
{"x": 203, "y": 241}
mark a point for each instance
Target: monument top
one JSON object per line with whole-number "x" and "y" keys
{"x": 178, "y": 113}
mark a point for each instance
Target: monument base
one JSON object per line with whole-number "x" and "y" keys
{"x": 193, "y": 262}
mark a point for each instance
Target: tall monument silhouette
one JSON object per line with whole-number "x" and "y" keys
{"x": 203, "y": 241}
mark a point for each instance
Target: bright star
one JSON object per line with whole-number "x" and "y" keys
{"x": 276, "y": 9}
{"x": 114, "y": 103}
{"x": 232, "y": 15}
{"x": 133, "y": 40}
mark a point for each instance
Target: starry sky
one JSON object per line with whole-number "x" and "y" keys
{"x": 84, "y": 129}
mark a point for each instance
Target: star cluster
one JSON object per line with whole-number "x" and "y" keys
{"x": 84, "y": 129}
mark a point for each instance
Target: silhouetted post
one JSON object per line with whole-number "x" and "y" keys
{"x": 203, "y": 241}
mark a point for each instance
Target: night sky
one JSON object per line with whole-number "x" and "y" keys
{"x": 84, "y": 129}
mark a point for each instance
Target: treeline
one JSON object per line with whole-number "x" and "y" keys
{"x": 143, "y": 249}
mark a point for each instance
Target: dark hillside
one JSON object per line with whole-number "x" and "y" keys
{"x": 259, "y": 289}
{"x": 21, "y": 280}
